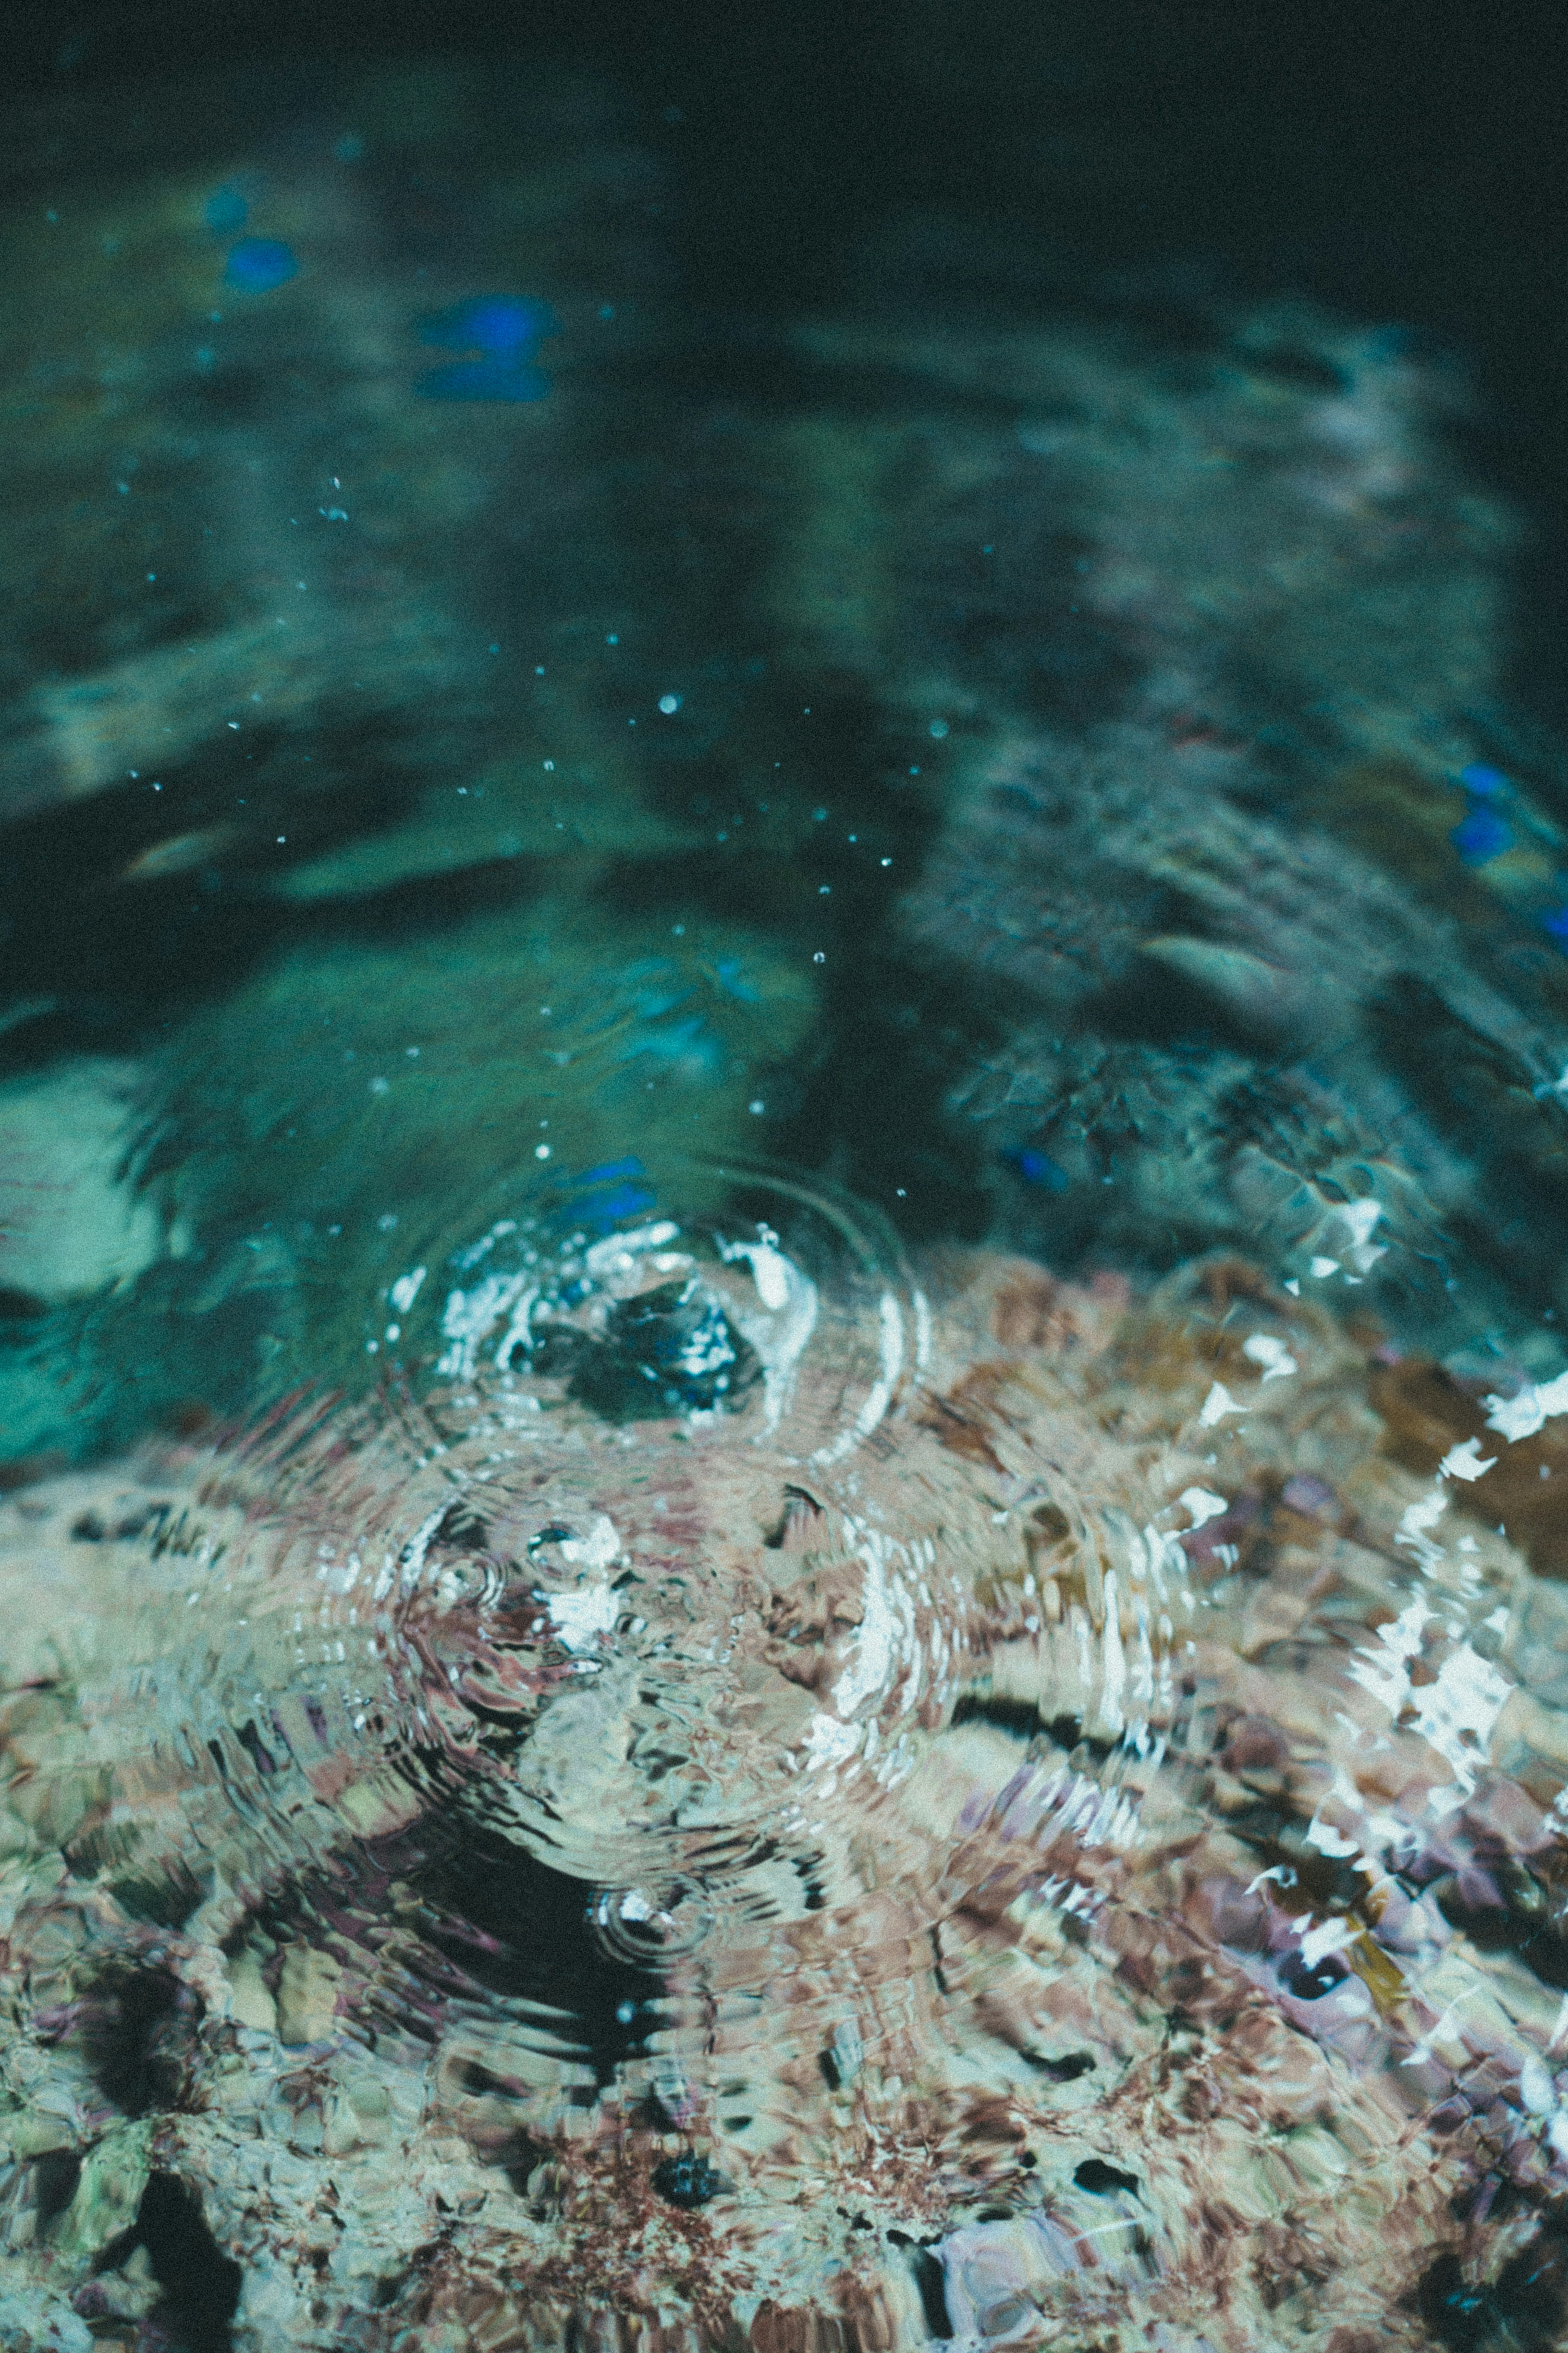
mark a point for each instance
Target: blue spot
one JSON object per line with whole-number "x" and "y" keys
{"x": 225, "y": 210}
{"x": 494, "y": 322}
{"x": 1556, "y": 923}
{"x": 619, "y": 1199}
{"x": 1039, "y": 1169}
{"x": 1482, "y": 836}
{"x": 504, "y": 328}
{"x": 623, "y": 1201}
{"x": 687, "y": 2181}
{"x": 489, "y": 379}
{"x": 257, "y": 264}
{"x": 1483, "y": 781}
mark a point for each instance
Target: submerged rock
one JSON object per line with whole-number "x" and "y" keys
{"x": 70, "y": 1219}
{"x": 1035, "y": 1820}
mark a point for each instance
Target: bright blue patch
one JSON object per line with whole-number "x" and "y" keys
{"x": 609, "y": 1169}
{"x": 493, "y": 322}
{"x": 1039, "y": 1169}
{"x": 1557, "y": 925}
{"x": 224, "y": 211}
{"x": 488, "y": 379}
{"x": 1483, "y": 781}
{"x": 1482, "y": 836}
{"x": 625, "y": 1201}
{"x": 504, "y": 328}
{"x": 600, "y": 1211}
{"x": 257, "y": 264}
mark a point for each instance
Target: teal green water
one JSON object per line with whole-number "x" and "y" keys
{"x": 478, "y": 716}
{"x": 783, "y": 1152}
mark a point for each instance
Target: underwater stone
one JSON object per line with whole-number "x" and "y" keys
{"x": 687, "y": 2181}
{"x": 669, "y": 1350}
{"x": 307, "y": 1995}
{"x": 70, "y": 1220}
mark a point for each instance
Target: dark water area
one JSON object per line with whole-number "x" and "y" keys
{"x": 1405, "y": 164}
{"x": 1136, "y": 177}
{"x": 784, "y": 1179}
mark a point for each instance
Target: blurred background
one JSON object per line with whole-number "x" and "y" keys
{"x": 1403, "y": 160}
{"x": 966, "y": 602}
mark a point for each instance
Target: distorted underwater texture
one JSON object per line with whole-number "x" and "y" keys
{"x": 783, "y": 1139}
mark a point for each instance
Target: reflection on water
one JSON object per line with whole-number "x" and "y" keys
{"x": 780, "y": 1156}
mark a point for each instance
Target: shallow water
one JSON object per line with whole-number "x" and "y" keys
{"x": 781, "y": 1167}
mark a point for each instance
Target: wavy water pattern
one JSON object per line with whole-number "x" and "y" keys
{"x": 774, "y": 1799}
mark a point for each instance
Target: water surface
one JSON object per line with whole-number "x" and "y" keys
{"x": 780, "y": 1187}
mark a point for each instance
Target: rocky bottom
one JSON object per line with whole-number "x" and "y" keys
{"x": 1077, "y": 1860}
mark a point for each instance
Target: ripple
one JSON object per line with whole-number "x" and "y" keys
{"x": 653, "y": 1929}
{"x": 961, "y": 1780}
